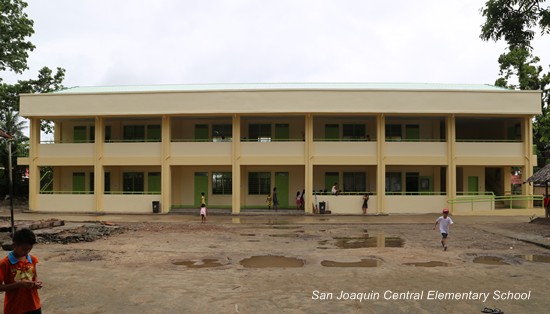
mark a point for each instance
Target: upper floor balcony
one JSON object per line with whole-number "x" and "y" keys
{"x": 490, "y": 139}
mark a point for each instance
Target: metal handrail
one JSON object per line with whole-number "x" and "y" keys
{"x": 67, "y": 192}
{"x": 487, "y": 141}
{"x": 106, "y": 192}
{"x": 344, "y": 193}
{"x": 439, "y": 193}
{"x": 492, "y": 198}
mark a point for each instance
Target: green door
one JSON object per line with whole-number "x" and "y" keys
{"x": 281, "y": 183}
{"x": 79, "y": 182}
{"x": 153, "y": 133}
{"x": 330, "y": 179}
{"x": 472, "y": 185}
{"x": 153, "y": 182}
{"x": 79, "y": 134}
{"x": 282, "y": 132}
{"x": 332, "y": 132}
{"x": 412, "y": 132}
{"x": 201, "y": 185}
{"x": 201, "y": 132}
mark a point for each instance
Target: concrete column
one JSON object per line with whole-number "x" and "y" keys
{"x": 507, "y": 179}
{"x": 34, "y": 170}
{"x": 529, "y": 160}
{"x": 166, "y": 173}
{"x": 308, "y": 155}
{"x": 381, "y": 164}
{"x": 57, "y": 135}
{"x": 236, "y": 165}
{"x": 451, "y": 151}
{"x": 99, "y": 173}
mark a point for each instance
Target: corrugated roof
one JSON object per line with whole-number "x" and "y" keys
{"x": 277, "y": 86}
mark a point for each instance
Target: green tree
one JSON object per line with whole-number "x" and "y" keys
{"x": 11, "y": 123}
{"x": 515, "y": 22}
{"x": 15, "y": 29}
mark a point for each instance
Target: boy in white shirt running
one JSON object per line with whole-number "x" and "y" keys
{"x": 444, "y": 222}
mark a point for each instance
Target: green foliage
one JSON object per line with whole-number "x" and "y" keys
{"x": 521, "y": 65}
{"x": 15, "y": 27}
{"x": 13, "y": 125}
{"x": 45, "y": 83}
{"x": 514, "y": 21}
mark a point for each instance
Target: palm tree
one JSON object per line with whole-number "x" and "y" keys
{"x": 11, "y": 123}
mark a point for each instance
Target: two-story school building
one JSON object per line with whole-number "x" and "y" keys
{"x": 415, "y": 148}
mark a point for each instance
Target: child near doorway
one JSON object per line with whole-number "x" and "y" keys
{"x": 204, "y": 212}
{"x": 269, "y": 201}
{"x": 203, "y": 198}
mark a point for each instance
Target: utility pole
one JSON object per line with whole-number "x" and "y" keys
{"x": 9, "y": 140}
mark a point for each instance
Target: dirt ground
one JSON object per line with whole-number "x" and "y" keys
{"x": 166, "y": 267}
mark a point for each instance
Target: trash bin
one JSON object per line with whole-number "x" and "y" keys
{"x": 322, "y": 207}
{"x": 156, "y": 207}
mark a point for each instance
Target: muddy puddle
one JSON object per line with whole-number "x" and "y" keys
{"x": 535, "y": 258}
{"x": 264, "y": 261}
{"x": 378, "y": 241}
{"x": 428, "y": 264}
{"x": 490, "y": 260}
{"x": 362, "y": 263}
{"x": 247, "y": 234}
{"x": 205, "y": 263}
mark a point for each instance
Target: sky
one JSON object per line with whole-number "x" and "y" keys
{"x": 138, "y": 42}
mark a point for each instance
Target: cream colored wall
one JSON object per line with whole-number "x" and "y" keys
{"x": 320, "y": 121}
{"x": 409, "y": 149}
{"x": 184, "y": 128}
{"x": 117, "y": 125}
{"x": 283, "y": 101}
{"x": 66, "y": 129}
{"x": 272, "y": 149}
{"x": 201, "y": 149}
{"x": 65, "y": 175}
{"x": 348, "y": 204}
{"x": 468, "y": 149}
{"x": 319, "y": 175}
{"x": 276, "y": 103}
{"x": 342, "y": 149}
{"x": 183, "y": 185}
{"x": 67, "y": 150}
{"x": 129, "y": 203}
{"x": 429, "y": 129}
{"x": 296, "y": 125}
{"x": 466, "y": 206}
{"x": 140, "y": 149}
{"x": 474, "y": 171}
{"x": 66, "y": 202}
{"x": 116, "y": 175}
{"x": 296, "y": 182}
{"x": 418, "y": 204}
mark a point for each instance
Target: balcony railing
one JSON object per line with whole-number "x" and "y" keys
{"x": 390, "y": 139}
{"x": 416, "y": 193}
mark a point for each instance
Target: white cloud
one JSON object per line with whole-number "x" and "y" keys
{"x": 128, "y": 42}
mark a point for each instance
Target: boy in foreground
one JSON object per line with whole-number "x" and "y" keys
{"x": 444, "y": 222}
{"x": 18, "y": 277}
